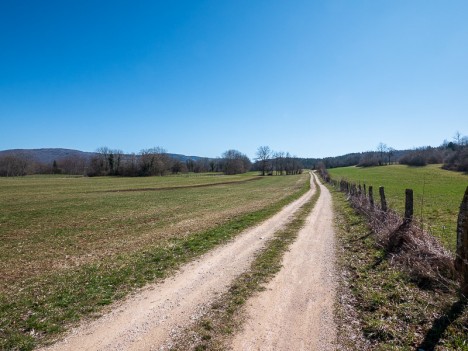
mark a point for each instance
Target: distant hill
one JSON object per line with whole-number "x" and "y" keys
{"x": 49, "y": 155}
{"x": 351, "y": 159}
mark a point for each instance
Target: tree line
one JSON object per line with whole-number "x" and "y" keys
{"x": 271, "y": 162}
{"x": 148, "y": 162}
{"x": 453, "y": 155}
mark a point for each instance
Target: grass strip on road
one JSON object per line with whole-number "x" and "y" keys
{"x": 53, "y": 302}
{"x": 380, "y": 307}
{"x": 224, "y": 316}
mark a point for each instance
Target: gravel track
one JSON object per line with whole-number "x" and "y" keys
{"x": 149, "y": 319}
{"x": 295, "y": 312}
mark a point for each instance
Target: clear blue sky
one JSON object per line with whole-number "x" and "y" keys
{"x": 315, "y": 78}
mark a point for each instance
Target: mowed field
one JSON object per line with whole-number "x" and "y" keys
{"x": 437, "y": 193}
{"x": 69, "y": 245}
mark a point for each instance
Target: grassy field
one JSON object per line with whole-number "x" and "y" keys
{"x": 70, "y": 245}
{"x": 437, "y": 193}
{"x": 382, "y": 307}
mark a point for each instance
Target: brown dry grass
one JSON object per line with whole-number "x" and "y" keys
{"x": 50, "y": 223}
{"x": 418, "y": 252}
{"x": 383, "y": 304}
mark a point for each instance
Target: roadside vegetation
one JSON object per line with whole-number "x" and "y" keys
{"x": 72, "y": 245}
{"x": 224, "y": 318}
{"x": 382, "y": 307}
{"x": 437, "y": 193}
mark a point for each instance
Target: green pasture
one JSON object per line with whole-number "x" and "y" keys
{"x": 71, "y": 245}
{"x": 437, "y": 193}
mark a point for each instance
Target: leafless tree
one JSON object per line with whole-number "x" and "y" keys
{"x": 390, "y": 154}
{"x": 263, "y": 157}
{"x": 154, "y": 161}
{"x": 382, "y": 149}
{"x": 235, "y": 162}
{"x": 279, "y": 162}
{"x": 72, "y": 165}
{"x": 14, "y": 165}
{"x": 457, "y": 137}
{"x": 178, "y": 167}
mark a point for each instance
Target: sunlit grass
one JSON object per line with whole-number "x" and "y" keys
{"x": 437, "y": 193}
{"x": 71, "y": 245}
{"x": 388, "y": 308}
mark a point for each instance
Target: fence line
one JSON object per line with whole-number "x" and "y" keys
{"x": 381, "y": 212}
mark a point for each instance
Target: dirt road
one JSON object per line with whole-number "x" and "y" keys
{"x": 295, "y": 312}
{"x": 146, "y": 320}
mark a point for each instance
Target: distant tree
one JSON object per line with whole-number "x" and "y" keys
{"x": 14, "y": 165}
{"x": 457, "y": 137}
{"x": 154, "y": 161}
{"x": 417, "y": 157}
{"x": 190, "y": 164}
{"x": 212, "y": 165}
{"x": 130, "y": 165}
{"x": 73, "y": 164}
{"x": 382, "y": 150}
{"x": 390, "y": 154}
{"x": 368, "y": 159}
{"x": 201, "y": 165}
{"x": 235, "y": 162}
{"x": 464, "y": 141}
{"x": 106, "y": 162}
{"x": 55, "y": 168}
{"x": 263, "y": 157}
{"x": 278, "y": 162}
{"x": 178, "y": 167}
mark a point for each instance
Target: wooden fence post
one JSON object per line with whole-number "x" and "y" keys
{"x": 364, "y": 191}
{"x": 383, "y": 202}
{"x": 371, "y": 196}
{"x": 461, "y": 260}
{"x": 359, "y": 190}
{"x": 409, "y": 205}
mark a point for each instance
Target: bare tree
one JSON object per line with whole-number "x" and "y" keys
{"x": 154, "y": 161}
{"x": 464, "y": 141}
{"x": 382, "y": 149}
{"x": 14, "y": 165}
{"x": 390, "y": 154}
{"x": 263, "y": 156}
{"x": 178, "y": 167}
{"x": 457, "y": 137}
{"x": 130, "y": 165}
{"x": 106, "y": 162}
{"x": 235, "y": 162}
